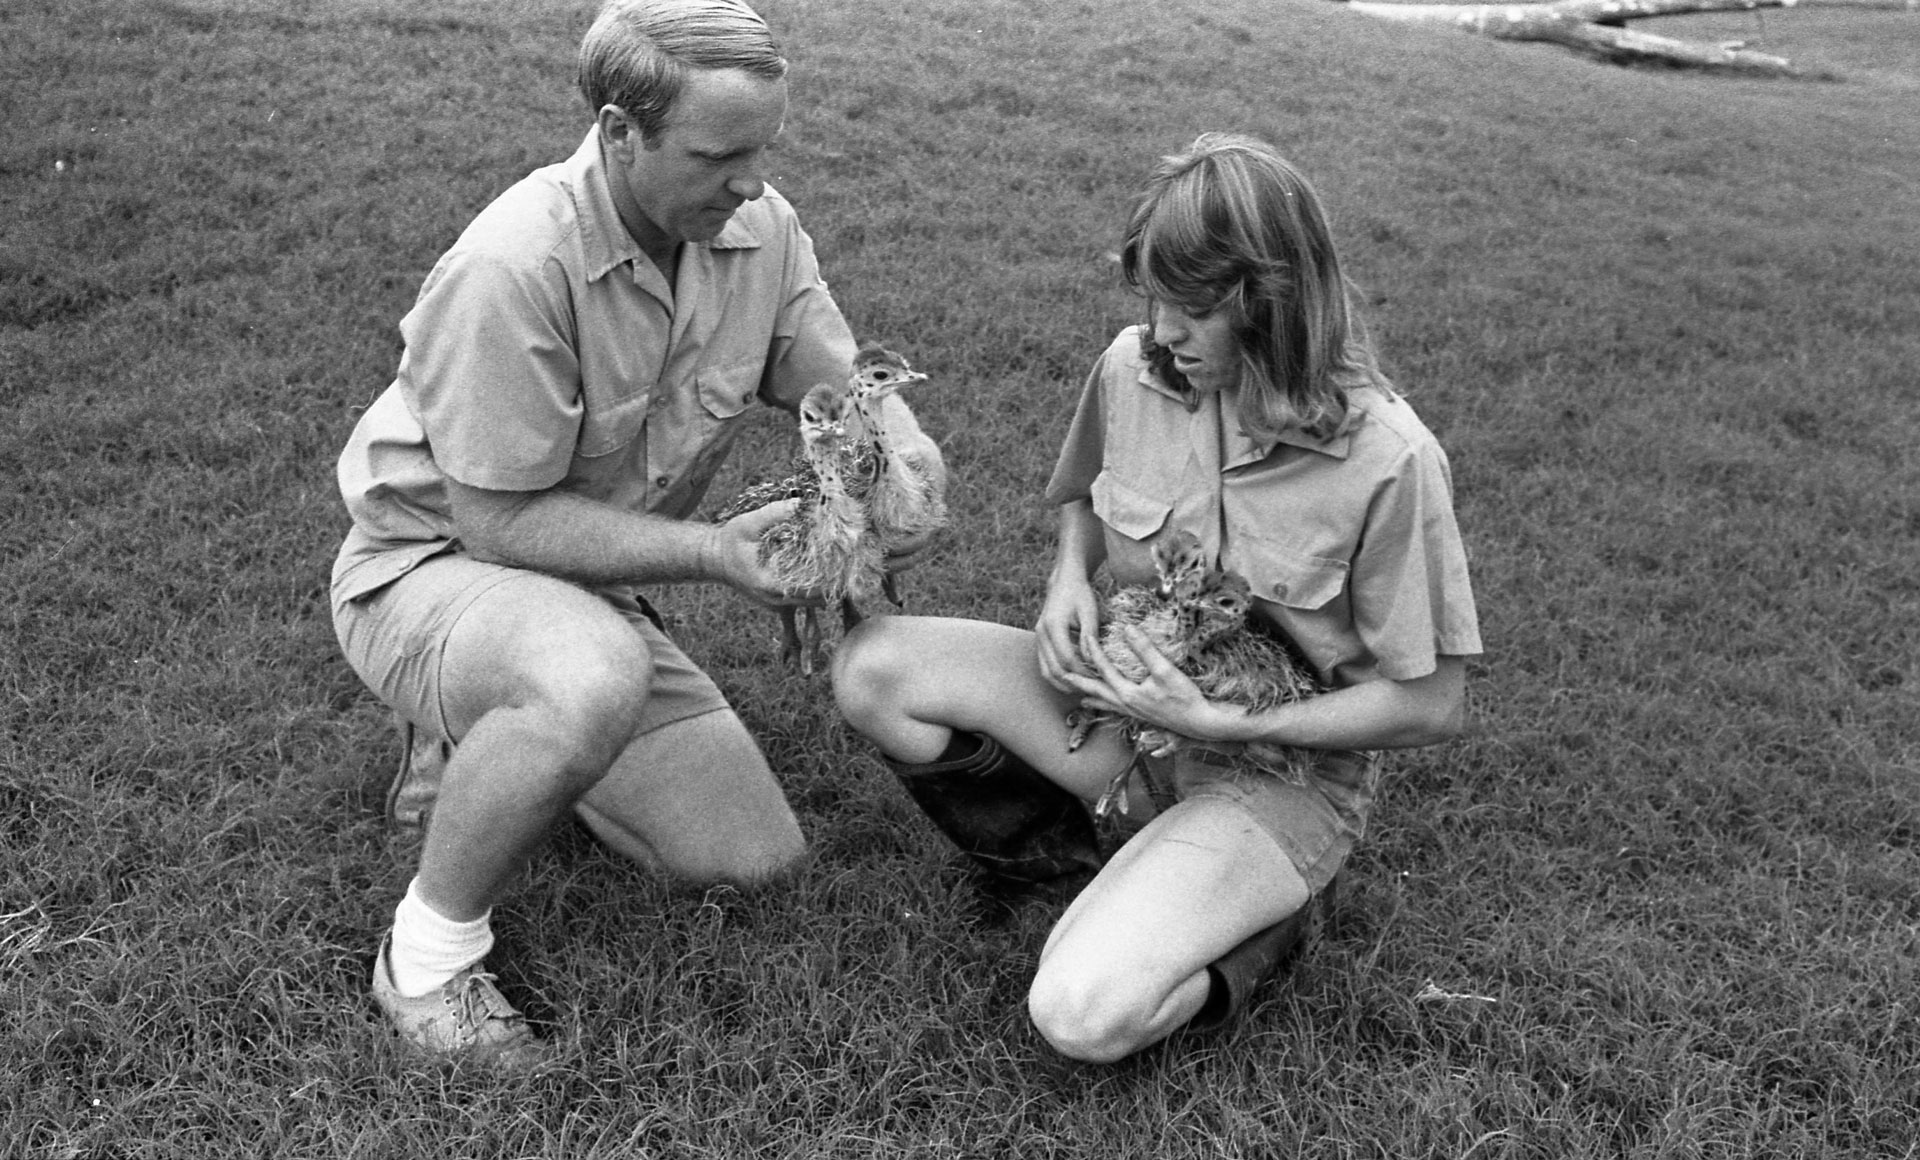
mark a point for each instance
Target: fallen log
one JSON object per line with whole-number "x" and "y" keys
{"x": 1596, "y": 28}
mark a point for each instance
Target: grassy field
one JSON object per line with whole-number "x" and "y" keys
{"x": 1663, "y": 902}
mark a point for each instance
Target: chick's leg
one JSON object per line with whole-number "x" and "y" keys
{"x": 791, "y": 652}
{"x": 810, "y": 640}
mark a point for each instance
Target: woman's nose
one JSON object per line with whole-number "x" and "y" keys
{"x": 1165, "y": 324}
{"x": 748, "y": 187}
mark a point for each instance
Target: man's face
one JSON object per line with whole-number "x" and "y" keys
{"x": 685, "y": 184}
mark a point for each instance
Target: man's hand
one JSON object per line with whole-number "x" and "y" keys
{"x": 912, "y": 550}
{"x": 735, "y": 557}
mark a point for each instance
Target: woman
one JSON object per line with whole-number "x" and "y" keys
{"x": 1249, "y": 412}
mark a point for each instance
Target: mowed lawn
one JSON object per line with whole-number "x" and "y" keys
{"x": 1664, "y": 901}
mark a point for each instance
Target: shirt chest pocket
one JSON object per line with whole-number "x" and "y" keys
{"x": 687, "y": 437}
{"x": 611, "y": 425}
{"x": 727, "y": 391}
{"x": 1127, "y": 510}
{"x": 1287, "y": 577}
{"x": 1130, "y": 518}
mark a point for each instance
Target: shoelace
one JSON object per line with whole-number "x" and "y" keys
{"x": 476, "y": 1003}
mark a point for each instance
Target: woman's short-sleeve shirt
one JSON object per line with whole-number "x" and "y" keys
{"x": 1349, "y": 544}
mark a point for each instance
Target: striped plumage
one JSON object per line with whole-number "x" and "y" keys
{"x": 800, "y": 482}
{"x": 1199, "y": 617}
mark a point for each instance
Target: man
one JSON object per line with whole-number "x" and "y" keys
{"x": 573, "y": 371}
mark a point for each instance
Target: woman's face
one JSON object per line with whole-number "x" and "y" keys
{"x": 1203, "y": 346}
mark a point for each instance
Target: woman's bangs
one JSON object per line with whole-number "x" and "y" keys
{"x": 1174, "y": 271}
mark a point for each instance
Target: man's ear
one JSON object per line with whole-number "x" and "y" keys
{"x": 618, "y": 131}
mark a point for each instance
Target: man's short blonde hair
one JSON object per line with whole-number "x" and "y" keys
{"x": 637, "y": 53}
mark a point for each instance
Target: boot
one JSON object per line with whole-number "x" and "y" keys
{"x": 1014, "y": 823}
{"x": 1236, "y": 974}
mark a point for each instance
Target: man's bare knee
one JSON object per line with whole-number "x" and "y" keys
{"x": 592, "y": 708}
{"x": 696, "y": 797}
{"x": 761, "y": 860}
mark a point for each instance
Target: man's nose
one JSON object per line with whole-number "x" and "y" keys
{"x": 747, "y": 187}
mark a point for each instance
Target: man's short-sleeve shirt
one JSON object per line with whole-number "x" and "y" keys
{"x": 545, "y": 350}
{"x": 1349, "y": 543}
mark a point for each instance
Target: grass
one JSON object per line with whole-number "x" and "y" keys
{"x": 1665, "y": 893}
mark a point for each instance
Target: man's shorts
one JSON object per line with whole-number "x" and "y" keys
{"x": 1316, "y": 819}
{"x": 395, "y": 639}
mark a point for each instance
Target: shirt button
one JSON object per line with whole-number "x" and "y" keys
{"x": 660, "y": 482}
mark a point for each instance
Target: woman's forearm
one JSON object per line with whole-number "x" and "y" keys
{"x": 1082, "y": 545}
{"x": 1381, "y": 714}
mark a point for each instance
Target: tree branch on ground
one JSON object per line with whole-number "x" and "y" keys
{"x": 1597, "y": 28}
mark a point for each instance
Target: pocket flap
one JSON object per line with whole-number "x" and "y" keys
{"x": 727, "y": 391}
{"x": 1278, "y": 573}
{"x": 1129, "y": 512}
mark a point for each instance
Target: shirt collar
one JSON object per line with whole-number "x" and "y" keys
{"x": 1335, "y": 447}
{"x": 1150, "y": 379}
{"x": 1237, "y": 447}
{"x": 606, "y": 240}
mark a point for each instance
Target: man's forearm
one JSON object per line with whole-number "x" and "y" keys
{"x": 583, "y": 540}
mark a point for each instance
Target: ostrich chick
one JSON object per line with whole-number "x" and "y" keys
{"x": 1184, "y": 632}
{"x": 1180, "y": 567}
{"x": 905, "y": 499}
{"x": 1200, "y": 618}
{"x": 824, "y": 546}
{"x": 1237, "y": 659}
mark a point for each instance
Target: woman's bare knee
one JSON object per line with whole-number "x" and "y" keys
{"x": 1085, "y": 1019}
{"x": 869, "y": 666}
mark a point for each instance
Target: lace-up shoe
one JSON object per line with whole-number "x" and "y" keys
{"x": 466, "y": 1016}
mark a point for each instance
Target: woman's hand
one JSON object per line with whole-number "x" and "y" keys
{"x": 1069, "y": 629}
{"x": 1165, "y": 697}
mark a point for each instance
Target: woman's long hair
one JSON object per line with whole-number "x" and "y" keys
{"x": 1228, "y": 225}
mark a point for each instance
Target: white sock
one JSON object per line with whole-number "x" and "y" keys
{"x": 428, "y": 948}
